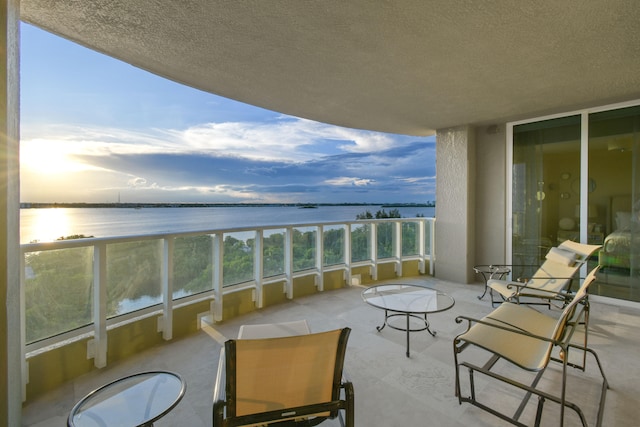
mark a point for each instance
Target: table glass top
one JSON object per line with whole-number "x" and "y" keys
{"x": 407, "y": 298}
{"x": 130, "y": 401}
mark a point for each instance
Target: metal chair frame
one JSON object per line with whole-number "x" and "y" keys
{"x": 510, "y": 320}
{"x": 342, "y": 393}
{"x": 544, "y": 286}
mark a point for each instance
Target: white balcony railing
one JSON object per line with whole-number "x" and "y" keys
{"x": 79, "y": 288}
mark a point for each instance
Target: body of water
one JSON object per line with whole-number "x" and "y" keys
{"x": 49, "y": 224}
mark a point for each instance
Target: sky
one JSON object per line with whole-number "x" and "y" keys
{"x": 95, "y": 129}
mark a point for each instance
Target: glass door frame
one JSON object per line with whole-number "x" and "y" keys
{"x": 584, "y": 168}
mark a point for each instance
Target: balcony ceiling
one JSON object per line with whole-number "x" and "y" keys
{"x": 407, "y": 67}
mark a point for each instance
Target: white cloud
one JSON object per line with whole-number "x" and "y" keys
{"x": 285, "y": 140}
{"x": 137, "y": 182}
{"x": 418, "y": 179}
{"x": 350, "y": 181}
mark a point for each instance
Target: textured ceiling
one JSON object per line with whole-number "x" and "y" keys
{"x": 400, "y": 66}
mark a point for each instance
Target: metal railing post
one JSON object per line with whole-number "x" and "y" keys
{"x": 432, "y": 245}
{"x": 258, "y": 266}
{"x": 320, "y": 257}
{"x": 421, "y": 246}
{"x": 217, "y": 275}
{"x": 396, "y": 244}
{"x": 347, "y": 253}
{"x": 288, "y": 262}
{"x": 165, "y": 322}
{"x": 374, "y": 250}
{"x": 23, "y": 331}
{"x": 98, "y": 346}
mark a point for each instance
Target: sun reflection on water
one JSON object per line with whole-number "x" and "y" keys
{"x": 48, "y": 225}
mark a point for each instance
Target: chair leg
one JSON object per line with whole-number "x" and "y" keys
{"x": 350, "y": 410}
{"x": 218, "y": 414}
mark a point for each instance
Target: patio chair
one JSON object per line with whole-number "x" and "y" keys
{"x": 527, "y": 339}
{"x": 551, "y": 280}
{"x": 289, "y": 380}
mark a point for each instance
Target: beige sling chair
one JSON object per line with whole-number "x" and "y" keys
{"x": 552, "y": 278}
{"x": 526, "y": 338}
{"x": 288, "y": 380}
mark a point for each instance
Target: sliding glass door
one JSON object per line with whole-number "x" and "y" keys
{"x": 546, "y": 163}
{"x": 577, "y": 178}
{"x": 614, "y": 156}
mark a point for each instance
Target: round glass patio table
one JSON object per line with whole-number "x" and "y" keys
{"x": 410, "y": 301}
{"x": 136, "y": 400}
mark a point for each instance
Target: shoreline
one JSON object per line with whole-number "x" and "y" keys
{"x": 48, "y": 205}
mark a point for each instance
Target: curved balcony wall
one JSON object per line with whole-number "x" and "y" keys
{"x": 87, "y": 303}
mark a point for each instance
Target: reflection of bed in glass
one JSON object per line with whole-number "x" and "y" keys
{"x": 616, "y": 251}
{"x": 619, "y": 255}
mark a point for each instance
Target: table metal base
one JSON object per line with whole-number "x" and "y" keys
{"x": 489, "y": 272}
{"x": 408, "y": 328}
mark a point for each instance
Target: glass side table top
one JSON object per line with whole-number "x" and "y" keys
{"x": 407, "y": 298}
{"x": 136, "y": 400}
{"x": 407, "y": 302}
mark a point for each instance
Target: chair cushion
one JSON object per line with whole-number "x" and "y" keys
{"x": 561, "y": 256}
{"x": 528, "y": 353}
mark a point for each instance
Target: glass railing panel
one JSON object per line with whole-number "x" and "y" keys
{"x": 58, "y": 283}
{"x": 273, "y": 253}
{"x": 333, "y": 245}
{"x": 410, "y": 236}
{"x": 385, "y": 240}
{"x": 192, "y": 265}
{"x": 304, "y": 248}
{"x": 58, "y": 291}
{"x": 133, "y": 276}
{"x": 360, "y": 242}
{"x": 238, "y": 259}
{"x": 428, "y": 250}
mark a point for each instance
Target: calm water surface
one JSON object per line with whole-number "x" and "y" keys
{"x": 50, "y": 224}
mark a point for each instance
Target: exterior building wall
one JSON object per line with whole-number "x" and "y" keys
{"x": 10, "y": 355}
{"x": 491, "y": 198}
{"x": 455, "y": 204}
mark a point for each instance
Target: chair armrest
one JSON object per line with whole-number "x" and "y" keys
{"x": 562, "y": 295}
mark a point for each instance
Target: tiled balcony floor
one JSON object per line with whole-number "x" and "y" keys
{"x": 390, "y": 389}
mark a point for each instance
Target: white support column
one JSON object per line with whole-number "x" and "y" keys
{"x": 455, "y": 207}
{"x": 165, "y": 323}
{"x": 216, "y": 262}
{"x": 98, "y": 346}
{"x": 258, "y": 266}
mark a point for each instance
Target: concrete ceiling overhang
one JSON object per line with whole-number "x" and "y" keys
{"x": 399, "y": 66}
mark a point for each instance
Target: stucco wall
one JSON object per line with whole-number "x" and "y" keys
{"x": 455, "y": 204}
{"x": 490, "y": 191}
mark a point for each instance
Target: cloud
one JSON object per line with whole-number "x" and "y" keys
{"x": 244, "y": 161}
{"x": 137, "y": 182}
{"x": 349, "y": 181}
{"x": 94, "y": 129}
